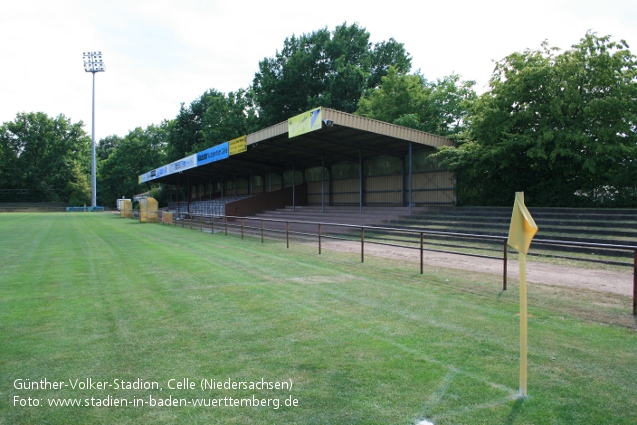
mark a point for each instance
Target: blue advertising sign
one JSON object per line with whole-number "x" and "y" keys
{"x": 213, "y": 154}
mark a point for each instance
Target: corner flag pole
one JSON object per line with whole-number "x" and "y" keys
{"x": 521, "y": 232}
{"x": 523, "y": 326}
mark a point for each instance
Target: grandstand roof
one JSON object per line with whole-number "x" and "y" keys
{"x": 342, "y": 137}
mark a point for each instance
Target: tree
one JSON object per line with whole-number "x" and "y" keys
{"x": 323, "y": 69}
{"x": 439, "y": 107}
{"x": 44, "y": 155}
{"x": 80, "y": 188}
{"x": 212, "y": 119}
{"x": 138, "y": 152}
{"x": 106, "y": 147}
{"x": 559, "y": 126}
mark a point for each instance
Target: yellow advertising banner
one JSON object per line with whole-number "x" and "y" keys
{"x": 305, "y": 122}
{"x": 238, "y": 145}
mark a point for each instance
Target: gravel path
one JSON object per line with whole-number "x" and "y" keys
{"x": 618, "y": 282}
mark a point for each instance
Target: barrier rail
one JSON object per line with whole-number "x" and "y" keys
{"x": 84, "y": 209}
{"x": 231, "y": 221}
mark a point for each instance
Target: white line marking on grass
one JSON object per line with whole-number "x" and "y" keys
{"x": 453, "y": 371}
{"x": 473, "y": 407}
{"x": 437, "y": 395}
{"x": 513, "y": 393}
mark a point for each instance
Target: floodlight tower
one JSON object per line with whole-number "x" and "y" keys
{"x": 93, "y": 63}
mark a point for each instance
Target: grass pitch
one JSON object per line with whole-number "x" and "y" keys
{"x": 106, "y": 320}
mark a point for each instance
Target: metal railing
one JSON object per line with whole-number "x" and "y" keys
{"x": 238, "y": 222}
{"x": 205, "y": 208}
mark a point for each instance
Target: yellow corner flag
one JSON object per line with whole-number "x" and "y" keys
{"x": 521, "y": 232}
{"x": 522, "y": 228}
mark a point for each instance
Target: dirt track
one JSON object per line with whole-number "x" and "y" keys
{"x": 596, "y": 280}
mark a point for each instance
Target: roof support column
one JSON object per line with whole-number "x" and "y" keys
{"x": 330, "y": 188}
{"x": 322, "y": 184}
{"x": 360, "y": 180}
{"x": 404, "y": 184}
{"x": 410, "y": 181}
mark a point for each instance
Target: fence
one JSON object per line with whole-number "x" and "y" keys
{"x": 237, "y": 222}
{"x": 207, "y": 208}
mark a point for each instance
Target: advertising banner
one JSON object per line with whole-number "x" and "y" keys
{"x": 164, "y": 170}
{"x": 213, "y": 154}
{"x": 238, "y": 145}
{"x": 182, "y": 164}
{"x": 305, "y": 122}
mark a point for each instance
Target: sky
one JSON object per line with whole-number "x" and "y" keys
{"x": 159, "y": 54}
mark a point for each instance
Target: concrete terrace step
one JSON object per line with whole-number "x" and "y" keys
{"x": 338, "y": 215}
{"x": 576, "y": 225}
{"x": 620, "y": 230}
{"x": 555, "y": 224}
{"x": 537, "y": 213}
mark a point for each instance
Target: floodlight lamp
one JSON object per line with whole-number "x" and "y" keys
{"x": 93, "y": 62}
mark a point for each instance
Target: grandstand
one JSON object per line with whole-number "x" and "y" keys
{"x": 323, "y": 158}
{"x": 353, "y": 170}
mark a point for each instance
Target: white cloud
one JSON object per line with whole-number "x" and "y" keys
{"x": 161, "y": 53}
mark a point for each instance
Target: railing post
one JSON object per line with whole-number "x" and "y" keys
{"x": 241, "y": 228}
{"x": 226, "y": 221}
{"x": 287, "y": 233}
{"x": 362, "y": 244}
{"x": 201, "y": 223}
{"x": 261, "y": 231}
{"x": 319, "y": 237}
{"x": 504, "y": 260}
{"x": 635, "y": 283}
{"x": 421, "y": 249}
{"x": 212, "y": 224}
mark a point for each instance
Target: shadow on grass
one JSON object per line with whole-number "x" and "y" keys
{"x": 502, "y": 292}
{"x": 515, "y": 411}
{"x": 132, "y": 221}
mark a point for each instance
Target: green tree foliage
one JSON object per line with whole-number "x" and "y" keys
{"x": 80, "y": 188}
{"x": 138, "y": 152}
{"x": 47, "y": 156}
{"x": 559, "y": 126}
{"x": 212, "y": 119}
{"x": 439, "y": 107}
{"x": 106, "y": 147}
{"x": 323, "y": 69}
